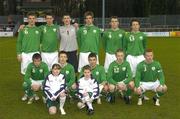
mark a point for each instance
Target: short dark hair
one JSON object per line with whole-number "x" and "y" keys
{"x": 148, "y": 50}
{"x": 134, "y": 20}
{"x": 119, "y": 50}
{"x": 89, "y": 13}
{"x": 114, "y": 17}
{"x": 62, "y": 52}
{"x": 92, "y": 55}
{"x": 36, "y": 56}
{"x": 87, "y": 67}
{"x": 31, "y": 14}
{"x": 57, "y": 66}
{"x": 49, "y": 14}
{"x": 66, "y": 14}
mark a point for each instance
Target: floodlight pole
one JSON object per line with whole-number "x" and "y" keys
{"x": 103, "y": 14}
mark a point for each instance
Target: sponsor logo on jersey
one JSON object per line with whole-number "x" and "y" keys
{"x": 94, "y": 31}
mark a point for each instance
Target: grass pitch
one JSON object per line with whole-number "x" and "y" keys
{"x": 166, "y": 50}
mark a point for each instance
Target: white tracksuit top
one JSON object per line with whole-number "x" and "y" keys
{"x": 54, "y": 85}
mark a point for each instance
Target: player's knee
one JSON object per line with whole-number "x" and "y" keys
{"x": 74, "y": 86}
{"x": 52, "y": 110}
{"x": 138, "y": 91}
{"x": 131, "y": 85}
{"x": 35, "y": 87}
{"x": 165, "y": 88}
{"x": 106, "y": 88}
{"x": 111, "y": 88}
{"x": 62, "y": 94}
{"x": 122, "y": 87}
{"x": 162, "y": 89}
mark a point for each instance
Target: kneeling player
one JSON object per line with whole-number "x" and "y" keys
{"x": 54, "y": 88}
{"x": 88, "y": 89}
{"x": 34, "y": 76}
{"x": 120, "y": 77}
{"x": 149, "y": 76}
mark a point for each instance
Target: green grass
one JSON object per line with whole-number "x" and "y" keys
{"x": 166, "y": 50}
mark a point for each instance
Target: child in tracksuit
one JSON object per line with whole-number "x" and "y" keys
{"x": 88, "y": 89}
{"x": 54, "y": 88}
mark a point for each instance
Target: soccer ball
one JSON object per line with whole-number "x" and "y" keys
{"x": 80, "y": 105}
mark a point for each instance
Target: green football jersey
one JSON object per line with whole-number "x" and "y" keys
{"x": 28, "y": 40}
{"x": 88, "y": 38}
{"x": 36, "y": 73}
{"x": 68, "y": 71}
{"x": 135, "y": 43}
{"x": 113, "y": 40}
{"x": 49, "y": 38}
{"x": 149, "y": 73}
{"x": 119, "y": 72}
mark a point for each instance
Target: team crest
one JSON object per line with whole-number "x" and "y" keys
{"x": 54, "y": 30}
{"x": 94, "y": 31}
{"x": 153, "y": 68}
{"x": 84, "y": 32}
{"x": 41, "y": 70}
{"x": 97, "y": 73}
{"x": 25, "y": 31}
{"x": 37, "y": 32}
{"x": 141, "y": 38}
{"x": 124, "y": 68}
{"x": 120, "y": 35}
{"x": 67, "y": 72}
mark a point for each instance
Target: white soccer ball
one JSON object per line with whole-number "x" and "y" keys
{"x": 80, "y": 105}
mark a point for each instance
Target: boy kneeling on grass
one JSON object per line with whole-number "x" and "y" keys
{"x": 54, "y": 88}
{"x": 34, "y": 77}
{"x": 88, "y": 90}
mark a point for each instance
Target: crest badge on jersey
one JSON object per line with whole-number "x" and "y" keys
{"x": 41, "y": 70}
{"x": 94, "y": 31}
{"x": 153, "y": 68}
{"x": 37, "y": 32}
{"x": 140, "y": 37}
{"x": 67, "y": 72}
{"x": 85, "y": 32}
{"x": 54, "y": 30}
{"x": 97, "y": 73}
{"x": 120, "y": 35}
